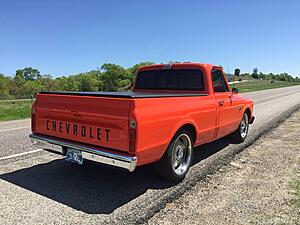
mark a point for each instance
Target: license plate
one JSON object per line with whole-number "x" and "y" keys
{"x": 74, "y": 156}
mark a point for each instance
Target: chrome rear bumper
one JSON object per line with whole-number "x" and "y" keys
{"x": 93, "y": 154}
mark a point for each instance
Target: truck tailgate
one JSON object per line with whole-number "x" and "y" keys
{"x": 99, "y": 121}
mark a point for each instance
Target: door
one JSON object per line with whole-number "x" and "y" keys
{"x": 227, "y": 111}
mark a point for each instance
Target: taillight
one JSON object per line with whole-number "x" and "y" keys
{"x": 33, "y": 118}
{"x": 132, "y": 135}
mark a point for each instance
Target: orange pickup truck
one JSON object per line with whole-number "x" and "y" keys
{"x": 172, "y": 109}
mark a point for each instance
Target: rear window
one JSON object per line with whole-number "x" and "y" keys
{"x": 173, "y": 79}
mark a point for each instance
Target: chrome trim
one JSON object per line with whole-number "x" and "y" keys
{"x": 93, "y": 154}
{"x": 46, "y": 145}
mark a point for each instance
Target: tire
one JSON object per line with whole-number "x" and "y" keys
{"x": 74, "y": 165}
{"x": 241, "y": 133}
{"x": 177, "y": 159}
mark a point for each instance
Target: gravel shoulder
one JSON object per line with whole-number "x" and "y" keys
{"x": 254, "y": 188}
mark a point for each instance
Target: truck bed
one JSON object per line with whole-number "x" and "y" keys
{"x": 125, "y": 94}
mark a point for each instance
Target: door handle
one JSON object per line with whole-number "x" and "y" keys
{"x": 221, "y": 102}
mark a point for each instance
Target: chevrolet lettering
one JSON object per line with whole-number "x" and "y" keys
{"x": 73, "y": 129}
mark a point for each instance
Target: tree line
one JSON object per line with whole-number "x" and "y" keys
{"x": 270, "y": 76}
{"x": 27, "y": 82}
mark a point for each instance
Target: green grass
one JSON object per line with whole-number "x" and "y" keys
{"x": 295, "y": 186}
{"x": 14, "y": 110}
{"x": 257, "y": 85}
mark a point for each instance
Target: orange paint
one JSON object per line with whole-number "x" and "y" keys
{"x": 105, "y": 121}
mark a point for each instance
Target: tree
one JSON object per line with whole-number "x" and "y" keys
{"x": 26, "y": 74}
{"x": 67, "y": 84}
{"x": 31, "y": 88}
{"x": 48, "y": 83}
{"x": 255, "y": 73}
{"x": 135, "y": 67}
{"x": 262, "y": 76}
{"x": 114, "y": 77}
{"x": 237, "y": 72}
{"x": 4, "y": 88}
{"x": 88, "y": 81}
{"x": 110, "y": 77}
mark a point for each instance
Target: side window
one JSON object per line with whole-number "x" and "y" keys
{"x": 218, "y": 81}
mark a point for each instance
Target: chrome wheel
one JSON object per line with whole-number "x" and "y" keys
{"x": 181, "y": 154}
{"x": 244, "y": 126}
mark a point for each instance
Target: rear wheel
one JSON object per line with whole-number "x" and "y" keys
{"x": 176, "y": 161}
{"x": 241, "y": 133}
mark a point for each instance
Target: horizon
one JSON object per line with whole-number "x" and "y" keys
{"x": 72, "y": 37}
{"x": 224, "y": 70}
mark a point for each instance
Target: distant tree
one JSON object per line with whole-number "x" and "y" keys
{"x": 48, "y": 83}
{"x": 67, "y": 83}
{"x": 31, "y": 88}
{"x": 269, "y": 76}
{"x": 4, "y": 88}
{"x": 88, "y": 81}
{"x": 28, "y": 73}
{"x": 237, "y": 72}
{"x": 135, "y": 67}
{"x": 13, "y": 88}
{"x": 255, "y": 73}
{"x": 110, "y": 77}
{"x": 114, "y": 77}
{"x": 261, "y": 76}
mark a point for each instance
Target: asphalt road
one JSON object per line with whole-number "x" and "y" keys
{"x": 40, "y": 188}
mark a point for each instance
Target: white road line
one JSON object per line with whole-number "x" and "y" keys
{"x": 17, "y": 128}
{"x": 21, "y": 154}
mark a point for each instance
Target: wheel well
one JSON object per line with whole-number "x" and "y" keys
{"x": 191, "y": 129}
{"x": 248, "y": 111}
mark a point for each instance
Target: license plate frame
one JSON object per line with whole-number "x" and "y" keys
{"x": 74, "y": 156}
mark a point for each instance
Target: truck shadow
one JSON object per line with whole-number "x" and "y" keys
{"x": 95, "y": 188}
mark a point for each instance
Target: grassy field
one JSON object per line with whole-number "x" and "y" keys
{"x": 257, "y": 85}
{"x": 14, "y": 110}
{"x": 296, "y": 193}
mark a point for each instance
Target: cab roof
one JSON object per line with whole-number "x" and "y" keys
{"x": 178, "y": 65}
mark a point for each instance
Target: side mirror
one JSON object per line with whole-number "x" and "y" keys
{"x": 235, "y": 90}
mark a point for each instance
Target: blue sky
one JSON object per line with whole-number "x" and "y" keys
{"x": 62, "y": 37}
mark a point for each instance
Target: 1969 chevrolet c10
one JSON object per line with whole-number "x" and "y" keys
{"x": 172, "y": 109}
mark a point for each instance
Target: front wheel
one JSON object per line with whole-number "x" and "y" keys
{"x": 241, "y": 133}
{"x": 176, "y": 161}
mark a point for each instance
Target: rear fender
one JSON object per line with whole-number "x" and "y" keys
{"x": 180, "y": 125}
